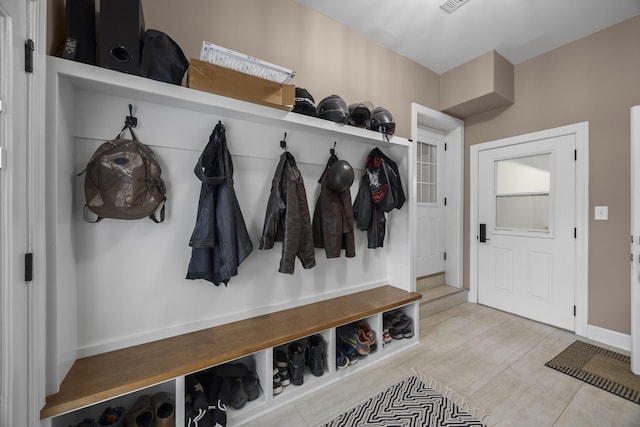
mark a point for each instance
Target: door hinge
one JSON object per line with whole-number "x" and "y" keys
{"x": 29, "y": 47}
{"x": 445, "y": 201}
{"x": 575, "y": 155}
{"x": 28, "y": 267}
{"x": 574, "y": 311}
{"x": 575, "y": 233}
{"x": 445, "y": 146}
{"x": 445, "y": 256}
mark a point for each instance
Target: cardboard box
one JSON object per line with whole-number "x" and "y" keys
{"x": 226, "y": 82}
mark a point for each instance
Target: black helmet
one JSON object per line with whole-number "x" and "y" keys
{"x": 360, "y": 113}
{"x": 333, "y": 108}
{"x": 304, "y": 103}
{"x": 340, "y": 176}
{"x": 382, "y": 121}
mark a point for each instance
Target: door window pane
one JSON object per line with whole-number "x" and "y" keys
{"x": 427, "y": 172}
{"x": 523, "y": 191}
{"x": 529, "y": 212}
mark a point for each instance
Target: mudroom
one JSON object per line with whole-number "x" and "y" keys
{"x": 287, "y": 213}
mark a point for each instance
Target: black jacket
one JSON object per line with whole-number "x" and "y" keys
{"x": 220, "y": 240}
{"x": 287, "y": 218}
{"x": 380, "y": 191}
{"x": 333, "y": 219}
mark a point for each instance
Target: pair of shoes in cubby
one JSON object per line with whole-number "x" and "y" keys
{"x": 209, "y": 392}
{"x": 359, "y": 336}
{"x": 156, "y": 410}
{"x": 396, "y": 326}
{"x": 288, "y": 366}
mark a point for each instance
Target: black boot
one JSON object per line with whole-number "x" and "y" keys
{"x": 296, "y": 363}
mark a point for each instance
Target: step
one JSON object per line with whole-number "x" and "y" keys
{"x": 440, "y": 298}
{"x": 431, "y": 281}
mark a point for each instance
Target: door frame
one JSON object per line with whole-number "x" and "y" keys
{"x": 635, "y": 240}
{"x": 28, "y": 169}
{"x": 453, "y": 130}
{"x": 581, "y": 267}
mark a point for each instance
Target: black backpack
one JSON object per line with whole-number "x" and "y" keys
{"x": 162, "y": 59}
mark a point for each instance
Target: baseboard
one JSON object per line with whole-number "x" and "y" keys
{"x": 608, "y": 337}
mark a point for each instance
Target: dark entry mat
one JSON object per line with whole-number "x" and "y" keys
{"x": 600, "y": 367}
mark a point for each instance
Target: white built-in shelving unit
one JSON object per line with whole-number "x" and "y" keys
{"x": 117, "y": 284}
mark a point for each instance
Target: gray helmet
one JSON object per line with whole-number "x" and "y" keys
{"x": 333, "y": 108}
{"x": 382, "y": 121}
{"x": 340, "y": 176}
{"x": 360, "y": 113}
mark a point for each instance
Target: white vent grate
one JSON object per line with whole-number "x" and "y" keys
{"x": 451, "y": 5}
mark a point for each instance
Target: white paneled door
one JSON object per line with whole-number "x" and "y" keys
{"x": 526, "y": 229}
{"x": 430, "y": 216}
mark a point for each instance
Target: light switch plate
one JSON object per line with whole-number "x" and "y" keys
{"x": 601, "y": 213}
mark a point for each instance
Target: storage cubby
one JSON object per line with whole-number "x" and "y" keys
{"x": 400, "y": 336}
{"x": 126, "y": 401}
{"x": 116, "y": 331}
{"x": 229, "y": 372}
{"x": 308, "y": 376}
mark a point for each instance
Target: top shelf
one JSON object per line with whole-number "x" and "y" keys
{"x": 96, "y": 79}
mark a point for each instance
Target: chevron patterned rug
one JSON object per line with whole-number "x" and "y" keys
{"x": 413, "y": 401}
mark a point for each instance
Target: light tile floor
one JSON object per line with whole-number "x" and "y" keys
{"x": 494, "y": 359}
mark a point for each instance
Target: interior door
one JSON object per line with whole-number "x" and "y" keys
{"x": 526, "y": 229}
{"x": 430, "y": 227}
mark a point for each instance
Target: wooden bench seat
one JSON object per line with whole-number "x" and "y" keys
{"x": 97, "y": 378}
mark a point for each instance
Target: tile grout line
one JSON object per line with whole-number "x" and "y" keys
{"x": 567, "y": 405}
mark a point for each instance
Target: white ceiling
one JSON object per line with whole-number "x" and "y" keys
{"x": 516, "y": 29}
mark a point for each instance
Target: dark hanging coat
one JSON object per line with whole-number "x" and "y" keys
{"x": 333, "y": 219}
{"x": 287, "y": 219}
{"x": 380, "y": 191}
{"x": 220, "y": 240}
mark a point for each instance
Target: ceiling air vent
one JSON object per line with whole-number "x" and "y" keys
{"x": 451, "y": 5}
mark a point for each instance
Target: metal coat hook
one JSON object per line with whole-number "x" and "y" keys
{"x": 130, "y": 120}
{"x": 283, "y": 142}
{"x": 333, "y": 150}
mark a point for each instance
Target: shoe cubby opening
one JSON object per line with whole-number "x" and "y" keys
{"x": 300, "y": 362}
{"x": 221, "y": 392}
{"x": 399, "y": 325}
{"x": 356, "y": 342}
{"x": 121, "y": 407}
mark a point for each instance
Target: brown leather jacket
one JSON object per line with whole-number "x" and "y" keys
{"x": 287, "y": 218}
{"x": 333, "y": 219}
